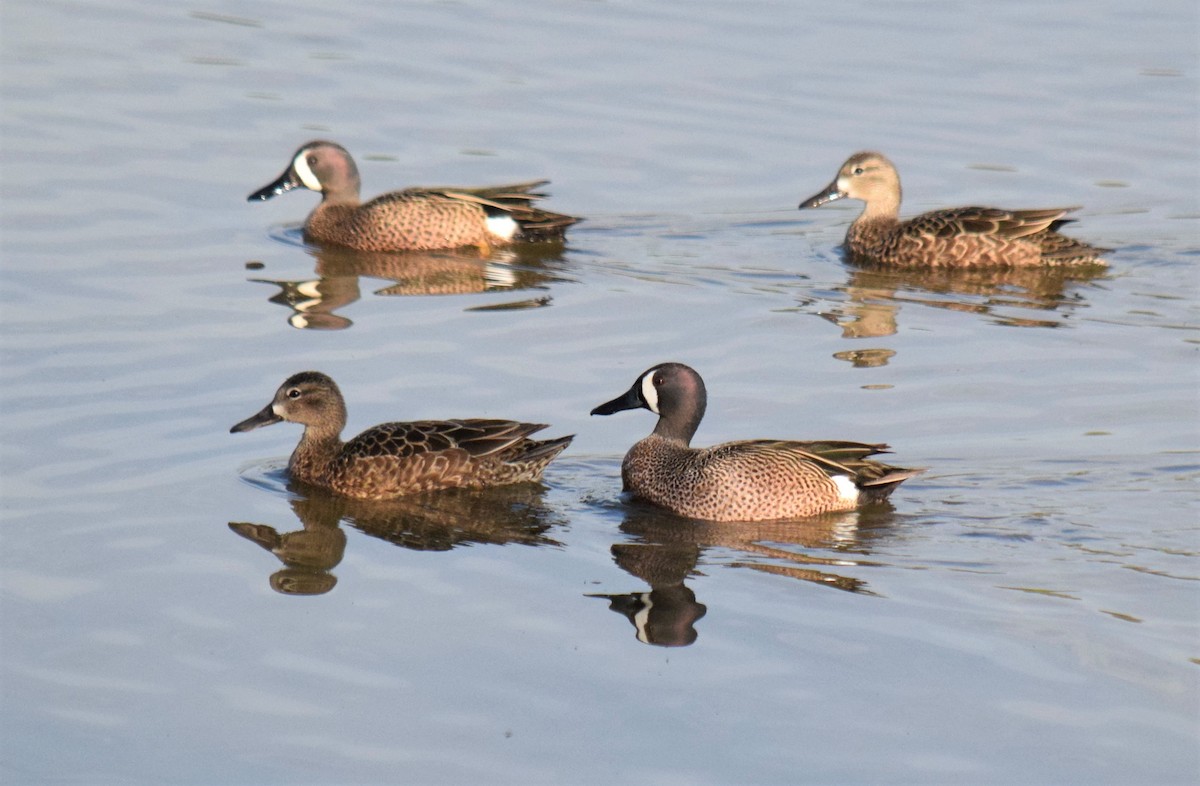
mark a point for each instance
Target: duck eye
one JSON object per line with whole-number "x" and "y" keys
{"x": 294, "y": 393}
{"x": 312, "y": 160}
{"x": 858, "y": 170}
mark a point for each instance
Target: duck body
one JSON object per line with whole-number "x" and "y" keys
{"x": 954, "y": 237}
{"x": 752, "y": 480}
{"x": 755, "y": 480}
{"x": 396, "y": 459}
{"x": 414, "y": 219}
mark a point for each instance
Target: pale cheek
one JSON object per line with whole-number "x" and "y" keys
{"x": 277, "y": 409}
{"x": 650, "y": 393}
{"x": 642, "y": 619}
{"x": 306, "y": 174}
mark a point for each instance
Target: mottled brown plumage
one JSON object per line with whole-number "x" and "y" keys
{"x": 415, "y": 219}
{"x": 395, "y": 459}
{"x": 753, "y": 480}
{"x": 954, "y": 237}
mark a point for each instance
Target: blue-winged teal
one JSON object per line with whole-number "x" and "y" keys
{"x": 753, "y": 480}
{"x": 955, "y": 237}
{"x": 415, "y": 219}
{"x": 394, "y": 459}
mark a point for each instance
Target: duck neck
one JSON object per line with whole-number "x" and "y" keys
{"x": 885, "y": 206}
{"x": 682, "y": 424}
{"x": 342, "y": 198}
{"x": 316, "y": 451}
{"x": 875, "y": 224}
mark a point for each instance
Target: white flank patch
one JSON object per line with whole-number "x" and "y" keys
{"x": 847, "y": 491}
{"x": 650, "y": 393}
{"x": 305, "y": 172}
{"x": 502, "y": 227}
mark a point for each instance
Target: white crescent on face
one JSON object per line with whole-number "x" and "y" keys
{"x": 305, "y": 172}
{"x": 641, "y": 620}
{"x": 649, "y": 392}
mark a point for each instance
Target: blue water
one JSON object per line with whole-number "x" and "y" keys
{"x": 1026, "y": 611}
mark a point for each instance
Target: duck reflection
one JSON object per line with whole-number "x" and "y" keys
{"x": 315, "y": 302}
{"x": 664, "y": 616}
{"x": 437, "y": 521}
{"x": 667, "y": 550}
{"x": 308, "y": 555}
{"x": 1017, "y": 297}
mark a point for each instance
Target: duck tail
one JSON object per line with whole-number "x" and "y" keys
{"x": 542, "y": 450}
{"x": 880, "y": 488}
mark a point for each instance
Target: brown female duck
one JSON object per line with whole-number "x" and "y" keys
{"x": 394, "y": 459}
{"x": 954, "y": 237}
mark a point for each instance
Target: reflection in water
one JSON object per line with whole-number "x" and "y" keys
{"x": 1017, "y": 297}
{"x": 668, "y": 548}
{"x": 314, "y": 302}
{"x": 442, "y": 520}
{"x": 666, "y": 615}
{"x": 866, "y": 358}
{"x": 307, "y": 554}
{"x": 436, "y": 521}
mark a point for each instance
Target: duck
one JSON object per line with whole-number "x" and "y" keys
{"x": 414, "y": 219}
{"x": 751, "y": 480}
{"x": 957, "y": 237}
{"x": 396, "y": 459}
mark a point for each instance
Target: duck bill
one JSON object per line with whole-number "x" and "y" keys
{"x": 286, "y": 182}
{"x": 630, "y": 399}
{"x": 829, "y": 193}
{"x": 264, "y": 418}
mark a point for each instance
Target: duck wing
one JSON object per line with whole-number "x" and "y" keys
{"x": 1006, "y": 224}
{"x": 476, "y": 437}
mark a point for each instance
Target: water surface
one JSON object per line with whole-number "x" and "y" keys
{"x": 1024, "y": 612}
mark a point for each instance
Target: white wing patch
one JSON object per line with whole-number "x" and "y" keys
{"x": 847, "y": 491}
{"x": 503, "y": 227}
{"x": 305, "y": 172}
{"x": 650, "y": 393}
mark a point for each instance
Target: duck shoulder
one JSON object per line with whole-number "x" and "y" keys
{"x": 996, "y": 222}
{"x": 833, "y": 457}
{"x": 506, "y": 198}
{"x": 518, "y": 200}
{"x": 476, "y": 437}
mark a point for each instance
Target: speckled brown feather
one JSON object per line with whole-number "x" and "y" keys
{"x": 752, "y": 480}
{"x": 419, "y": 219}
{"x": 954, "y": 237}
{"x": 396, "y": 459}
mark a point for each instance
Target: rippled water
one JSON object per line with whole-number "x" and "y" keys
{"x": 174, "y": 611}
